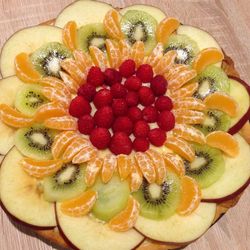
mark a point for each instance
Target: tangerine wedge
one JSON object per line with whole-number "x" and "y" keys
{"x": 223, "y": 141}
{"x": 136, "y": 178}
{"x": 155, "y": 55}
{"x": 206, "y": 57}
{"x": 185, "y": 91}
{"x": 69, "y": 34}
{"x": 223, "y": 102}
{"x": 124, "y": 49}
{"x": 83, "y": 60}
{"x": 61, "y": 123}
{"x": 189, "y": 103}
{"x": 108, "y": 167}
{"x": 137, "y": 52}
{"x": 165, "y": 62}
{"x": 72, "y": 85}
{"x": 81, "y": 205}
{"x": 124, "y": 166}
{"x": 175, "y": 163}
{"x": 191, "y": 196}
{"x": 113, "y": 52}
{"x": 126, "y": 219}
{"x": 189, "y": 116}
{"x": 175, "y": 70}
{"x": 92, "y": 170}
{"x": 86, "y": 154}
{"x": 98, "y": 57}
{"x": 53, "y": 82}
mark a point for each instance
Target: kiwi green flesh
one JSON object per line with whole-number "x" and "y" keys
{"x": 159, "y": 202}
{"x": 35, "y": 142}
{"x": 65, "y": 184}
{"x": 29, "y": 98}
{"x": 208, "y": 166}
{"x": 139, "y": 26}
{"x": 112, "y": 198}
{"x": 46, "y": 60}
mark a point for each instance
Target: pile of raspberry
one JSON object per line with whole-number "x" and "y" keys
{"x": 124, "y": 110}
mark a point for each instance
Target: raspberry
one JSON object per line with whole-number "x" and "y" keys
{"x": 149, "y": 114}
{"x": 100, "y": 138}
{"x": 86, "y": 124}
{"x": 159, "y": 85}
{"x": 133, "y": 83}
{"x": 135, "y": 114}
{"x": 157, "y": 137}
{"x": 127, "y": 68}
{"x": 120, "y": 144}
{"x": 79, "y": 107}
{"x": 145, "y": 73}
{"x": 141, "y": 129}
{"x": 140, "y": 144}
{"x": 95, "y": 76}
{"x": 166, "y": 120}
{"x": 132, "y": 98}
{"x": 104, "y": 117}
{"x": 164, "y": 103}
{"x": 146, "y": 96}
{"x": 103, "y": 98}
{"x": 123, "y": 124}
{"x": 112, "y": 76}
{"x": 87, "y": 91}
{"x": 118, "y": 90}
{"x": 119, "y": 107}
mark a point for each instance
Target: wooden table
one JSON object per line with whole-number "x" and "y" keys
{"x": 227, "y": 20}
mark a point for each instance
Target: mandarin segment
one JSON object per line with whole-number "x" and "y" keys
{"x": 52, "y": 82}
{"x": 189, "y": 116}
{"x": 61, "y": 123}
{"x": 136, "y": 178}
{"x": 86, "y": 154}
{"x": 137, "y": 52}
{"x": 175, "y": 70}
{"x": 165, "y": 62}
{"x": 71, "y": 84}
{"x": 113, "y": 52}
{"x": 92, "y": 170}
{"x": 155, "y": 55}
{"x": 108, "y": 167}
{"x": 174, "y": 163}
{"x": 98, "y": 57}
{"x": 124, "y": 166}
{"x": 186, "y": 91}
{"x": 83, "y": 60}
{"x": 189, "y": 103}
{"x": 69, "y": 34}
{"x": 124, "y": 49}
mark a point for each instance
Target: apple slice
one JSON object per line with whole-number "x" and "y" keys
{"x": 88, "y": 233}
{"x": 21, "y": 194}
{"x": 83, "y": 12}
{"x": 235, "y": 178}
{"x": 26, "y": 40}
{"x": 179, "y": 229}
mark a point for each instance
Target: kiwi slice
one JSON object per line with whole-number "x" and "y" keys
{"x": 35, "y": 142}
{"x": 47, "y": 58}
{"x": 112, "y": 198}
{"x": 207, "y": 167}
{"x": 159, "y": 201}
{"x": 139, "y": 26}
{"x": 91, "y": 34}
{"x": 29, "y": 98}
{"x": 210, "y": 80}
{"x": 65, "y": 184}
{"x": 185, "y": 47}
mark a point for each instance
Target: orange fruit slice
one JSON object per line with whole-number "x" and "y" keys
{"x": 83, "y": 60}
{"x": 223, "y": 102}
{"x": 113, "y": 52}
{"x": 61, "y": 123}
{"x": 92, "y": 170}
{"x": 126, "y": 219}
{"x": 185, "y": 91}
{"x": 188, "y": 116}
{"x": 174, "y": 163}
{"x": 137, "y": 52}
{"x": 223, "y": 141}
{"x": 136, "y": 178}
{"x": 124, "y": 166}
{"x": 72, "y": 85}
{"x": 108, "y": 167}
{"x": 69, "y": 34}
{"x": 165, "y": 28}
{"x": 98, "y": 57}
{"x": 175, "y": 70}
{"x": 155, "y": 56}
{"x": 165, "y": 62}
{"x": 40, "y": 169}
{"x": 24, "y": 69}
{"x": 189, "y": 103}
{"x": 191, "y": 196}
{"x": 52, "y": 82}
{"x": 81, "y": 205}
{"x": 206, "y": 57}
{"x": 86, "y": 154}
{"x": 124, "y": 49}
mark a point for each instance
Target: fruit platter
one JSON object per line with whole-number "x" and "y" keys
{"x": 123, "y": 130}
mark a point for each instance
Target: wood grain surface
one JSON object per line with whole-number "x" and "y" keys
{"x": 228, "y": 21}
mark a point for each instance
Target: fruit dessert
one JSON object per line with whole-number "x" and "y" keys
{"x": 120, "y": 129}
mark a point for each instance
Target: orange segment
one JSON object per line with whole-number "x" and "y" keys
{"x": 165, "y": 62}
{"x": 61, "y": 123}
{"x": 136, "y": 178}
{"x": 24, "y": 69}
{"x": 224, "y": 142}
{"x": 69, "y": 82}
{"x": 223, "y": 102}
{"x": 69, "y": 35}
{"x": 124, "y": 166}
{"x": 108, "y": 167}
{"x": 191, "y": 196}
{"x": 175, "y": 163}
{"x": 92, "y": 170}
{"x": 189, "y": 103}
{"x": 83, "y": 60}
{"x": 188, "y": 116}
{"x": 113, "y": 52}
{"x": 124, "y": 49}
{"x": 81, "y": 205}
{"x": 126, "y": 219}
{"x": 98, "y": 57}
{"x": 86, "y": 154}
{"x": 185, "y": 91}
{"x": 137, "y": 52}
{"x": 40, "y": 169}
{"x": 155, "y": 55}
{"x": 175, "y": 70}
{"x": 52, "y": 82}
{"x": 206, "y": 57}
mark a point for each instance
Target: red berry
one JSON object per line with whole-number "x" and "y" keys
{"x": 135, "y": 114}
{"x": 157, "y": 137}
{"x": 123, "y": 124}
{"x": 86, "y": 124}
{"x": 103, "y": 98}
{"x": 133, "y": 83}
{"x": 164, "y": 103}
{"x": 141, "y": 129}
{"x": 95, "y": 76}
{"x": 100, "y": 138}
{"x": 112, "y": 76}
{"x": 146, "y": 96}
{"x": 159, "y": 85}
{"x": 119, "y": 107}
{"x": 132, "y": 98}
{"x": 145, "y": 73}
{"x": 120, "y": 144}
{"x": 149, "y": 114}
{"x": 118, "y": 90}
{"x": 87, "y": 91}
{"x": 104, "y": 117}
{"x": 79, "y": 107}
{"x": 140, "y": 144}
{"x": 166, "y": 120}
{"x": 127, "y": 68}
